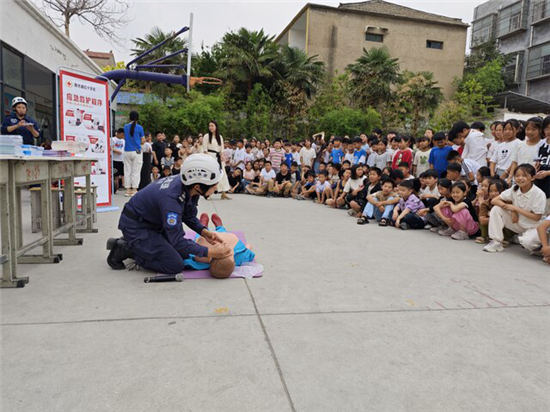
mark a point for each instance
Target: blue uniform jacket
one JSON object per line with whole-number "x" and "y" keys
{"x": 12, "y": 120}
{"x": 164, "y": 205}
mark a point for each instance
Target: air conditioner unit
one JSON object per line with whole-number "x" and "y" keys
{"x": 376, "y": 30}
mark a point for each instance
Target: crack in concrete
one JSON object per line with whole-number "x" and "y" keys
{"x": 243, "y": 315}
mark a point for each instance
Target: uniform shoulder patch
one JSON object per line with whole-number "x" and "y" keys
{"x": 172, "y": 219}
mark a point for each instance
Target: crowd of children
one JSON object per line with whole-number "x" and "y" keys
{"x": 493, "y": 187}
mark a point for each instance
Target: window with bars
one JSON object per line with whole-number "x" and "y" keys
{"x": 433, "y": 44}
{"x": 539, "y": 61}
{"x": 512, "y": 18}
{"x": 379, "y": 38}
{"x": 541, "y": 10}
{"x": 483, "y": 30}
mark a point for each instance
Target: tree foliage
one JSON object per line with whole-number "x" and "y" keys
{"x": 350, "y": 122}
{"x": 154, "y": 37}
{"x": 372, "y": 77}
{"x": 418, "y": 97}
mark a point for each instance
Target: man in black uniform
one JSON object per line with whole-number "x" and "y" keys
{"x": 18, "y": 123}
{"x": 151, "y": 222}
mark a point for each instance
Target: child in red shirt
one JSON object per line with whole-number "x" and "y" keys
{"x": 404, "y": 154}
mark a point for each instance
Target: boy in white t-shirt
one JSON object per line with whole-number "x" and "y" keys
{"x": 267, "y": 179}
{"x": 117, "y": 147}
{"x": 238, "y": 157}
{"x": 469, "y": 167}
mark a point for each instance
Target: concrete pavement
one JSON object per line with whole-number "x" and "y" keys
{"x": 346, "y": 318}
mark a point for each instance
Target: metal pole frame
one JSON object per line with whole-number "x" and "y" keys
{"x": 189, "y": 52}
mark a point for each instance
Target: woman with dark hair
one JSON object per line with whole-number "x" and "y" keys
{"x": 147, "y": 149}
{"x": 212, "y": 144}
{"x": 133, "y": 158}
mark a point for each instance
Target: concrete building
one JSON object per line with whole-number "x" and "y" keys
{"x": 32, "y": 49}
{"x": 522, "y": 31}
{"x": 421, "y": 41}
{"x": 102, "y": 59}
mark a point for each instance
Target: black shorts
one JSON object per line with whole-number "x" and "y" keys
{"x": 118, "y": 169}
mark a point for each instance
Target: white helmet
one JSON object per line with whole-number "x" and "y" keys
{"x": 200, "y": 169}
{"x": 17, "y": 100}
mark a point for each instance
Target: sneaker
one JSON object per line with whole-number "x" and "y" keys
{"x": 446, "y": 232}
{"x": 460, "y": 235}
{"x": 300, "y": 197}
{"x": 204, "y": 219}
{"x": 270, "y": 195}
{"x": 435, "y": 229}
{"x": 216, "y": 220}
{"x": 432, "y": 219}
{"x": 404, "y": 226}
{"x": 494, "y": 246}
{"x": 515, "y": 240}
{"x": 428, "y": 226}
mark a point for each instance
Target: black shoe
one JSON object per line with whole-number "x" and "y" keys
{"x": 119, "y": 251}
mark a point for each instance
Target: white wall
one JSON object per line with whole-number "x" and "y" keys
{"x": 25, "y": 28}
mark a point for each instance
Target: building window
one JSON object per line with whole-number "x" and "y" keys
{"x": 539, "y": 61}
{"x": 379, "y": 38}
{"x": 541, "y": 10}
{"x": 12, "y": 68}
{"x": 513, "y": 67}
{"x": 512, "y": 18}
{"x": 432, "y": 44}
{"x": 483, "y": 29}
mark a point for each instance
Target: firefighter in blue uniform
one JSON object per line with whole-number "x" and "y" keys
{"x": 18, "y": 123}
{"x": 151, "y": 222}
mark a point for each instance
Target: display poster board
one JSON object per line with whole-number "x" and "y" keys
{"x": 84, "y": 118}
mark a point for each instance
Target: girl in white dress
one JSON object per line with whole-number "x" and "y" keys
{"x": 212, "y": 144}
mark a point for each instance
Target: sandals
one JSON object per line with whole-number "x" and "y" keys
{"x": 482, "y": 240}
{"x": 362, "y": 220}
{"x": 352, "y": 213}
{"x": 383, "y": 222}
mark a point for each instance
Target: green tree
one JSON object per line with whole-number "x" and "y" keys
{"x": 449, "y": 113}
{"x": 350, "y": 122}
{"x": 246, "y": 57}
{"x": 480, "y": 56}
{"x": 184, "y": 115}
{"x": 259, "y": 109}
{"x": 372, "y": 77}
{"x": 299, "y": 78}
{"x": 154, "y": 37}
{"x": 331, "y": 96}
{"x": 418, "y": 97}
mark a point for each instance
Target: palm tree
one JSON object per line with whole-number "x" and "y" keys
{"x": 246, "y": 57}
{"x": 298, "y": 80}
{"x": 372, "y": 76}
{"x": 419, "y": 95}
{"x": 300, "y": 71}
{"x": 151, "y": 39}
{"x": 154, "y": 37}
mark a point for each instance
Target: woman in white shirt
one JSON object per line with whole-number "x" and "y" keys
{"x": 528, "y": 149}
{"x": 212, "y": 144}
{"x": 504, "y": 152}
